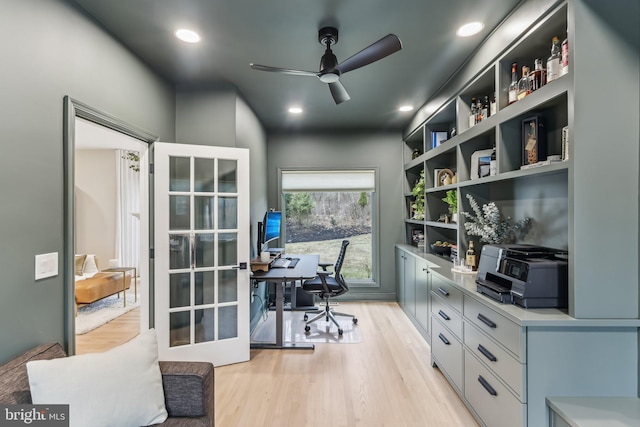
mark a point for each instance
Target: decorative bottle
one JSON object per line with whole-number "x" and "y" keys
{"x": 493, "y": 166}
{"x": 523, "y": 84}
{"x": 538, "y": 77}
{"x": 493, "y": 109}
{"x": 471, "y": 257}
{"x": 479, "y": 112}
{"x": 513, "y": 87}
{"x": 472, "y": 113}
{"x": 564, "y": 61}
{"x": 553, "y": 63}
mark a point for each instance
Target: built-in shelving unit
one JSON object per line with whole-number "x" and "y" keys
{"x": 502, "y": 359}
{"x": 538, "y": 193}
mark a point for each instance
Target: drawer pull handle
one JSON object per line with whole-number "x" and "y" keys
{"x": 443, "y": 339}
{"x": 487, "y": 386}
{"x": 443, "y": 315}
{"x": 486, "y": 321}
{"x": 487, "y": 353}
{"x": 443, "y": 292}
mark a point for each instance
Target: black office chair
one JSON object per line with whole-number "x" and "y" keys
{"x": 325, "y": 285}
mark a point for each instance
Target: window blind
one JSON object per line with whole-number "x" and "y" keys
{"x": 329, "y": 180}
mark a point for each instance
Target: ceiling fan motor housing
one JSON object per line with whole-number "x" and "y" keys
{"x": 328, "y": 35}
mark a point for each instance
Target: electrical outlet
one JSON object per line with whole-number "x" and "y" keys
{"x": 253, "y": 295}
{"x": 46, "y": 265}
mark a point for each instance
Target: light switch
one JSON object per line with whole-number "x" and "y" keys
{"x": 46, "y": 265}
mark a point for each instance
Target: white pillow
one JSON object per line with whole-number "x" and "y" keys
{"x": 90, "y": 266}
{"x": 120, "y": 387}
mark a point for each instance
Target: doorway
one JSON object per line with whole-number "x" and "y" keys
{"x": 78, "y": 118}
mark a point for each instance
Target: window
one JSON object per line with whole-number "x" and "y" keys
{"x": 322, "y": 208}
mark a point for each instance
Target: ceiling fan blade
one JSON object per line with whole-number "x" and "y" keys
{"x": 338, "y": 92}
{"x": 283, "y": 70}
{"x": 384, "y": 47}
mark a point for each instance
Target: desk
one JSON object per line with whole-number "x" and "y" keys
{"x": 305, "y": 269}
{"x": 124, "y": 270}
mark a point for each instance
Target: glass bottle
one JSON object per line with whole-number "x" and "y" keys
{"x": 564, "y": 61}
{"x": 493, "y": 166}
{"x": 513, "y": 87}
{"x": 479, "y": 116}
{"x": 493, "y": 109}
{"x": 523, "y": 84}
{"x": 553, "y": 63}
{"x": 485, "y": 107}
{"x": 538, "y": 77}
{"x": 472, "y": 113}
{"x": 471, "y": 257}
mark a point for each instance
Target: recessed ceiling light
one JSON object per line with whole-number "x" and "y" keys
{"x": 470, "y": 29}
{"x": 187, "y": 36}
{"x": 406, "y": 108}
{"x": 295, "y": 110}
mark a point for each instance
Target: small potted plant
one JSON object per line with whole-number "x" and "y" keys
{"x": 418, "y": 193}
{"x": 452, "y": 200}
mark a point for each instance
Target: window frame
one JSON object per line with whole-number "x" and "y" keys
{"x": 373, "y": 282}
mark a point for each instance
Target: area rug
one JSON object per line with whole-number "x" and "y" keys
{"x": 293, "y": 330}
{"x": 103, "y": 311}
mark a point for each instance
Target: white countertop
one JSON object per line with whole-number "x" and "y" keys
{"x": 531, "y": 317}
{"x": 597, "y": 411}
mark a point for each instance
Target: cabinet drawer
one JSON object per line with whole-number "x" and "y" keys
{"x": 447, "y": 291}
{"x": 446, "y": 315}
{"x": 495, "y": 325}
{"x": 446, "y": 352}
{"x": 491, "y": 400}
{"x": 503, "y": 364}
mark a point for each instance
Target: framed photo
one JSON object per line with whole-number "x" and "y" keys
{"x": 480, "y": 163}
{"x": 438, "y": 138}
{"x": 534, "y": 144}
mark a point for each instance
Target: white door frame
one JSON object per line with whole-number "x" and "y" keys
{"x": 73, "y": 109}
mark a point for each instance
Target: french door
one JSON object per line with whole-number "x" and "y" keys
{"x": 201, "y": 249}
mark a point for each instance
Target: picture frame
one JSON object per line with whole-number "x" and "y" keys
{"x": 480, "y": 169}
{"x": 438, "y": 138}
{"x": 534, "y": 144}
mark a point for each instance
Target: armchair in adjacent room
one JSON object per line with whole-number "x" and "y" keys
{"x": 327, "y": 285}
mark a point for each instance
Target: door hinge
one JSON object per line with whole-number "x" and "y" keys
{"x": 150, "y": 167}
{"x": 152, "y": 253}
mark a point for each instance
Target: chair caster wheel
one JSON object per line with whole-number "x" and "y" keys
{"x": 306, "y": 317}
{"x": 307, "y": 328}
{"x": 355, "y": 321}
{"x": 340, "y": 332}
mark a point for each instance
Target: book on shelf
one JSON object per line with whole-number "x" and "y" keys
{"x": 540, "y": 163}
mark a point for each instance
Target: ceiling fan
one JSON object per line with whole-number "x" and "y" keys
{"x": 330, "y": 69}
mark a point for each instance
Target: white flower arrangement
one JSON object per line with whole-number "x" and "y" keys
{"x": 489, "y": 224}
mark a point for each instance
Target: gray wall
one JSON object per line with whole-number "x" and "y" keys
{"x": 351, "y": 150}
{"x": 218, "y": 116}
{"x": 59, "y": 52}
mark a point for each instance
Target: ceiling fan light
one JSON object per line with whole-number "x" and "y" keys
{"x": 329, "y": 78}
{"x": 470, "y": 29}
{"x": 187, "y": 36}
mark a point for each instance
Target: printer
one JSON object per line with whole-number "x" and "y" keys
{"x": 527, "y": 275}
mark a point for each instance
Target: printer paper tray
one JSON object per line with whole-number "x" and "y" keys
{"x": 494, "y": 291}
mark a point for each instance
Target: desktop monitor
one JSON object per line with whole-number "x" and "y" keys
{"x": 271, "y": 224}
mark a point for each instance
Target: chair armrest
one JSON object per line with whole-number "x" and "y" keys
{"x": 188, "y": 389}
{"x": 324, "y": 265}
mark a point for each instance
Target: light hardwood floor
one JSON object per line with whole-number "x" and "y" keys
{"x": 385, "y": 380}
